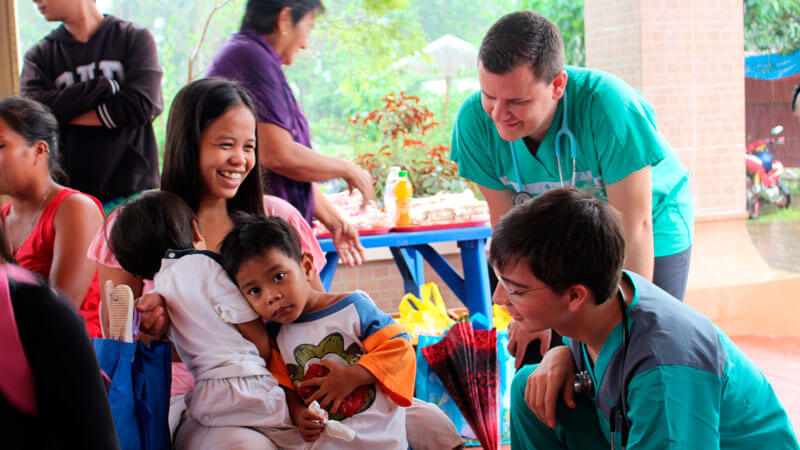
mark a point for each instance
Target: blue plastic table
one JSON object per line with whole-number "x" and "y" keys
{"x": 408, "y": 250}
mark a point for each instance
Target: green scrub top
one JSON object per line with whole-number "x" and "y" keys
{"x": 680, "y": 406}
{"x": 615, "y": 133}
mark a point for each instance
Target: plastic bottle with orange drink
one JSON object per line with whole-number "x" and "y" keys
{"x": 403, "y": 191}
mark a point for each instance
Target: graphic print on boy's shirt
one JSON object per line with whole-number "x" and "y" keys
{"x": 331, "y": 348}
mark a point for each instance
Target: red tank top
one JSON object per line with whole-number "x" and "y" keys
{"x": 36, "y": 255}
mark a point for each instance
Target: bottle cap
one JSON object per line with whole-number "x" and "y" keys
{"x": 403, "y": 173}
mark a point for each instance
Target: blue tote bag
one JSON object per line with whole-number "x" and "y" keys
{"x": 139, "y": 391}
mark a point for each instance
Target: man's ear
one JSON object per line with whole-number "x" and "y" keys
{"x": 307, "y": 263}
{"x": 577, "y": 296}
{"x": 284, "y": 20}
{"x": 559, "y": 85}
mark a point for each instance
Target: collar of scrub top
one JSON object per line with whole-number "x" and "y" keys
{"x": 563, "y": 132}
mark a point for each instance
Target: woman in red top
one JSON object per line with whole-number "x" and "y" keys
{"x": 49, "y": 227}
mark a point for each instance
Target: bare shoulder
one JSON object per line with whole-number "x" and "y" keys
{"x": 78, "y": 208}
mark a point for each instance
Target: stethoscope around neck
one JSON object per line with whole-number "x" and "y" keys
{"x": 521, "y": 196}
{"x": 618, "y": 419}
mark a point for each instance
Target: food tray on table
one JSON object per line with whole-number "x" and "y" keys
{"x": 439, "y": 226}
{"x": 364, "y": 232}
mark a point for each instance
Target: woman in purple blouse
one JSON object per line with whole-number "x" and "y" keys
{"x": 272, "y": 33}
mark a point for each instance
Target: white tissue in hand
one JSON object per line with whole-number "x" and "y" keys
{"x": 334, "y": 428}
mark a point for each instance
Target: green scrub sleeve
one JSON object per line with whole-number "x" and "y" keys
{"x": 625, "y": 136}
{"x": 472, "y": 145}
{"x": 674, "y": 407}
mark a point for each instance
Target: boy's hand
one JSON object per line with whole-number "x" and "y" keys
{"x": 308, "y": 424}
{"x": 334, "y": 387}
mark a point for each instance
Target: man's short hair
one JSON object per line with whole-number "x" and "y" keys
{"x": 795, "y": 96}
{"x": 567, "y": 237}
{"x": 523, "y": 37}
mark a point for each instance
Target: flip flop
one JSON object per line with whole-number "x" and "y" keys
{"x": 120, "y": 308}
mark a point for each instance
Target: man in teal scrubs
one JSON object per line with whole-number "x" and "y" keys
{"x": 513, "y": 139}
{"x": 657, "y": 374}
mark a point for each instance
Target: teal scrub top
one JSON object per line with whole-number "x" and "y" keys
{"x": 691, "y": 405}
{"x": 615, "y": 133}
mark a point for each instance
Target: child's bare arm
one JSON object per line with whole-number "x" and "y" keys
{"x": 308, "y": 424}
{"x": 254, "y": 332}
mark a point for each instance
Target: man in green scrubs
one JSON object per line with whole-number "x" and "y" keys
{"x": 515, "y": 139}
{"x": 658, "y": 374}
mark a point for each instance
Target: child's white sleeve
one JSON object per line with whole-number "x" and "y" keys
{"x": 229, "y": 303}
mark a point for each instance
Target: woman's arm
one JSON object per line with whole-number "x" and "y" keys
{"x": 281, "y": 154}
{"x": 76, "y": 222}
{"x": 344, "y": 234}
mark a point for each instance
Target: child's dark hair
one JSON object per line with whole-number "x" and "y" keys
{"x": 146, "y": 227}
{"x": 252, "y": 236}
{"x": 566, "y": 237}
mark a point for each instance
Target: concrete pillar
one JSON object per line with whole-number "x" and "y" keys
{"x": 9, "y": 65}
{"x": 687, "y": 57}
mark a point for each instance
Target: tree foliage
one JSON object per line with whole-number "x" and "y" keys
{"x": 772, "y": 26}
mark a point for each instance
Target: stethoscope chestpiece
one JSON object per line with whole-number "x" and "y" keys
{"x": 520, "y": 198}
{"x": 583, "y": 383}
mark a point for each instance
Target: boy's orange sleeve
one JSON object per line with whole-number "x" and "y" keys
{"x": 278, "y": 368}
{"x": 391, "y": 359}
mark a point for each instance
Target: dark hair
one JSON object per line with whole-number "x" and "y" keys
{"x": 194, "y": 108}
{"x": 5, "y": 250}
{"x": 567, "y": 237}
{"x": 148, "y": 225}
{"x": 795, "y": 94}
{"x": 252, "y": 236}
{"x": 261, "y": 15}
{"x": 523, "y": 37}
{"x": 34, "y": 122}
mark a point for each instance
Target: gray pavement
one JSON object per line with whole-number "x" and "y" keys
{"x": 778, "y": 243}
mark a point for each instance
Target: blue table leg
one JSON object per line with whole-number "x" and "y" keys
{"x": 476, "y": 278}
{"x": 448, "y": 274}
{"x": 410, "y": 264}
{"x": 327, "y": 272}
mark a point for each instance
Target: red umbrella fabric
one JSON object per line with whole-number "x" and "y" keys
{"x": 466, "y": 362}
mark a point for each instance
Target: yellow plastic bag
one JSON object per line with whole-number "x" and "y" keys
{"x": 501, "y": 317}
{"x": 427, "y": 315}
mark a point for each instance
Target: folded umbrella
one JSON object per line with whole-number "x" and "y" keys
{"x": 466, "y": 362}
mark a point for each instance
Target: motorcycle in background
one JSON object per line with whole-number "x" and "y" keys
{"x": 764, "y": 174}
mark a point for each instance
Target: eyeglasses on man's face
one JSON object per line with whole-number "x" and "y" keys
{"x": 514, "y": 295}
